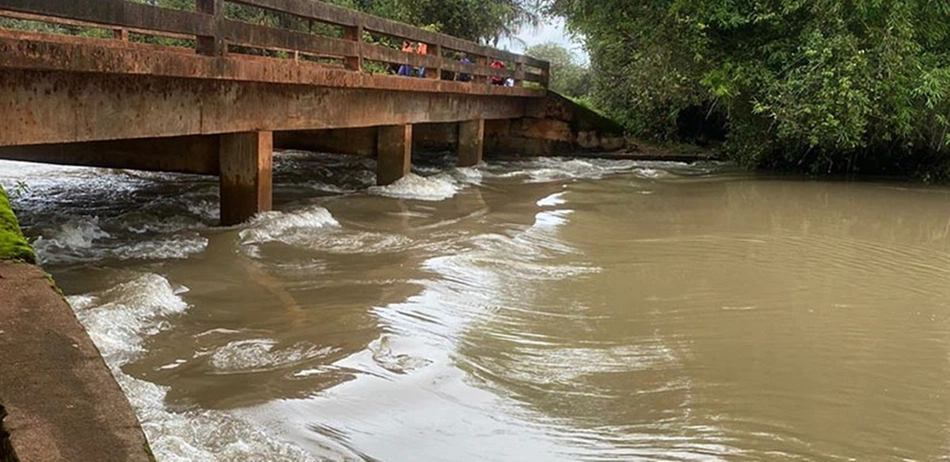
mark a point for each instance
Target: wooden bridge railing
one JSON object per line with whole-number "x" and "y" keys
{"x": 317, "y": 31}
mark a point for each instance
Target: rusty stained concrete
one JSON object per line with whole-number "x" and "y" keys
{"x": 394, "y": 153}
{"x": 246, "y": 164}
{"x": 38, "y": 107}
{"x": 62, "y": 400}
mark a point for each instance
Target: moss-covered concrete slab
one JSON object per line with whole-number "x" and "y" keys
{"x": 13, "y": 246}
{"x": 62, "y": 400}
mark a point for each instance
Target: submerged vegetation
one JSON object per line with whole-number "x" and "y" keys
{"x": 825, "y": 86}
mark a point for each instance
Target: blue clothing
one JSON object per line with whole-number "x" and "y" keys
{"x": 465, "y": 77}
{"x": 405, "y": 70}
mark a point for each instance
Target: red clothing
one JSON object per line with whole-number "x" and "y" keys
{"x": 497, "y": 80}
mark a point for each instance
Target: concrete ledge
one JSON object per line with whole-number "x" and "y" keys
{"x": 58, "y": 399}
{"x": 63, "y": 402}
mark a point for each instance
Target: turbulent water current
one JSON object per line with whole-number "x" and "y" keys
{"x": 526, "y": 310}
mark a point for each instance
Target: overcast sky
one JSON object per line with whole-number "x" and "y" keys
{"x": 550, "y": 31}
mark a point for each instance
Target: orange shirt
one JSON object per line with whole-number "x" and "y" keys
{"x": 423, "y": 48}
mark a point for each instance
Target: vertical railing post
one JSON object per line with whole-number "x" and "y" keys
{"x": 482, "y": 62}
{"x": 354, "y": 33}
{"x": 211, "y": 45}
{"x": 120, "y": 34}
{"x": 436, "y": 72}
{"x": 545, "y": 74}
{"x": 519, "y": 71}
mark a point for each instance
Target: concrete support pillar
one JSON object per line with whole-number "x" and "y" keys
{"x": 393, "y": 151}
{"x": 246, "y": 161}
{"x": 471, "y": 142}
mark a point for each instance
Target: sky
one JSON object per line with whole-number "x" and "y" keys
{"x": 551, "y": 30}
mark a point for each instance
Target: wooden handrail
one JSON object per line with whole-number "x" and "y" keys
{"x": 213, "y": 33}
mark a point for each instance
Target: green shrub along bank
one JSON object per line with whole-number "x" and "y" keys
{"x": 822, "y": 86}
{"x": 13, "y": 246}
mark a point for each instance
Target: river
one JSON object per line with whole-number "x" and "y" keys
{"x": 526, "y": 310}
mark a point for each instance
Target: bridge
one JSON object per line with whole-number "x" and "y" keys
{"x": 123, "y": 84}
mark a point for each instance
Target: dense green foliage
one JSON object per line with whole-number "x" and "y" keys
{"x": 477, "y": 20}
{"x": 823, "y": 85}
{"x": 568, "y": 77}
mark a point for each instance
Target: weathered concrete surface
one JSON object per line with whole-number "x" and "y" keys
{"x": 246, "y": 175}
{"x": 554, "y": 126}
{"x": 437, "y": 137}
{"x": 55, "y": 107}
{"x": 394, "y": 153}
{"x": 355, "y": 141}
{"x": 471, "y": 142}
{"x": 63, "y": 402}
{"x": 182, "y": 154}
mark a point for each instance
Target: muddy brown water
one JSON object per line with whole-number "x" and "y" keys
{"x": 528, "y": 310}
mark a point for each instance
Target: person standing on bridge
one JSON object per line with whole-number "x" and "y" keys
{"x": 405, "y": 69}
{"x": 463, "y": 77}
{"x": 422, "y": 49}
{"x": 497, "y": 80}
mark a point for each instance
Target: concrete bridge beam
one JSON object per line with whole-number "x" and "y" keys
{"x": 471, "y": 143}
{"x": 394, "y": 153}
{"x": 246, "y": 163}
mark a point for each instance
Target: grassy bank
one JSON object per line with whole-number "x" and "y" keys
{"x": 13, "y": 246}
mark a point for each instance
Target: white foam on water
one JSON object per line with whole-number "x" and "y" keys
{"x": 651, "y": 173}
{"x": 277, "y": 226}
{"x": 552, "y": 201}
{"x": 83, "y": 239}
{"x": 70, "y": 238}
{"x": 118, "y": 321}
{"x": 358, "y": 242}
{"x": 170, "y": 247}
{"x": 253, "y": 355}
{"x": 118, "y": 318}
{"x": 411, "y": 382}
{"x": 424, "y": 188}
{"x": 468, "y": 175}
{"x": 542, "y": 170}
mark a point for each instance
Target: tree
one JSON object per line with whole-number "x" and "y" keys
{"x": 567, "y": 76}
{"x": 484, "y": 21}
{"x": 828, "y": 85}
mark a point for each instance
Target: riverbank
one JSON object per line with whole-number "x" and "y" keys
{"x": 58, "y": 399}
